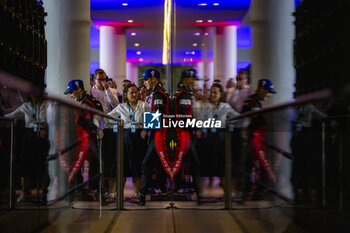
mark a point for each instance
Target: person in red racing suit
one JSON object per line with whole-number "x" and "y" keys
{"x": 256, "y": 137}
{"x": 184, "y": 101}
{"x": 159, "y": 102}
{"x": 86, "y": 133}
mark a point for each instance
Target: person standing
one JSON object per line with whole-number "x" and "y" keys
{"x": 103, "y": 92}
{"x": 158, "y": 101}
{"x": 184, "y": 100}
{"x": 135, "y": 143}
{"x": 256, "y": 134}
{"x": 87, "y": 129}
{"x": 34, "y": 147}
{"x": 212, "y": 140}
{"x": 106, "y": 93}
{"x": 237, "y": 95}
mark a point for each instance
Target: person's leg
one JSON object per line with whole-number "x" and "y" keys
{"x": 146, "y": 172}
{"x": 193, "y": 157}
{"x": 136, "y": 182}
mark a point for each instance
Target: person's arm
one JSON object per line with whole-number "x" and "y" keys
{"x": 160, "y": 102}
{"x": 112, "y": 96}
{"x": 317, "y": 114}
{"x": 18, "y": 113}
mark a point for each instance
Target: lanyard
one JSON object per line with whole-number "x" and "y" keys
{"x": 132, "y": 116}
{"x": 215, "y": 112}
{"x": 35, "y": 113}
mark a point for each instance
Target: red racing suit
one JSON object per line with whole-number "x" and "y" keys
{"x": 257, "y": 128}
{"x": 86, "y": 142}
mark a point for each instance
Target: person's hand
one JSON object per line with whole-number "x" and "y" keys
{"x": 244, "y": 133}
{"x": 99, "y": 133}
{"x": 42, "y": 133}
{"x": 198, "y": 134}
{"x": 143, "y": 134}
{"x": 105, "y": 85}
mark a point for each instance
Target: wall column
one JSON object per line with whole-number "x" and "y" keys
{"x": 272, "y": 58}
{"x": 225, "y": 53}
{"x": 113, "y": 52}
{"x": 68, "y": 40}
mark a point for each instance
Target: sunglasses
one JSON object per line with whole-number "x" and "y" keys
{"x": 101, "y": 79}
{"x": 240, "y": 79}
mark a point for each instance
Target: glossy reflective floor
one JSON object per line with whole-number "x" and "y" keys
{"x": 254, "y": 216}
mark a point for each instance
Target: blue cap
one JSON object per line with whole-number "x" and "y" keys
{"x": 73, "y": 85}
{"x": 190, "y": 73}
{"x": 267, "y": 84}
{"x": 150, "y": 73}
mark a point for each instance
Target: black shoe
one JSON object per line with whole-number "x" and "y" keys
{"x": 142, "y": 200}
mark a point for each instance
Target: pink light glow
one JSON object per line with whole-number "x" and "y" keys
{"x": 99, "y": 23}
{"x": 227, "y": 23}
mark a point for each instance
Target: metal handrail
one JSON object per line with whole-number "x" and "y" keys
{"x": 6, "y": 118}
{"x": 336, "y": 117}
{"x": 72, "y": 145}
{"x": 324, "y": 94}
{"x": 319, "y": 95}
{"x": 16, "y": 83}
{"x": 76, "y": 105}
{"x": 13, "y": 82}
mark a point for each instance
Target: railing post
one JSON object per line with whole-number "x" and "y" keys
{"x": 100, "y": 173}
{"x": 120, "y": 166}
{"x": 323, "y": 164}
{"x": 228, "y": 190}
{"x": 11, "y": 181}
{"x": 340, "y": 171}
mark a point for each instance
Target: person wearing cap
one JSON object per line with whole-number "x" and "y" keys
{"x": 158, "y": 101}
{"x": 103, "y": 92}
{"x": 255, "y": 136}
{"x": 87, "y": 128}
{"x": 184, "y": 100}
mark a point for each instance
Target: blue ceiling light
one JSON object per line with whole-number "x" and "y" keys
{"x": 225, "y": 4}
{"x": 244, "y": 37}
{"x": 94, "y": 37}
{"x": 243, "y": 65}
{"x": 118, "y": 4}
{"x": 93, "y": 66}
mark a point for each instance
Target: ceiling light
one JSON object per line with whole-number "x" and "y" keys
{"x": 194, "y": 44}
{"x": 210, "y": 21}
{"x": 136, "y": 44}
{"x": 130, "y": 21}
{"x": 202, "y": 4}
{"x": 124, "y": 4}
{"x": 206, "y": 33}
{"x": 133, "y": 33}
{"x": 215, "y": 4}
{"x": 167, "y": 29}
{"x": 141, "y": 59}
{"x": 197, "y": 34}
{"x": 193, "y": 52}
{"x": 138, "y": 52}
{"x": 199, "y": 21}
